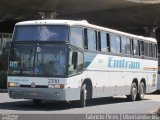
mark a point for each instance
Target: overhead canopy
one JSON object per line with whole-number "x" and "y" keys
{"x": 115, "y": 13}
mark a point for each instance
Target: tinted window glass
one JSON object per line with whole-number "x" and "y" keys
{"x": 141, "y": 48}
{"x": 123, "y": 45}
{"x": 150, "y": 50}
{"x": 91, "y": 37}
{"x": 38, "y": 59}
{"x": 136, "y": 47}
{"x": 115, "y": 43}
{"x": 103, "y": 41}
{"x": 41, "y": 33}
{"x": 76, "y": 37}
{"x": 118, "y": 44}
{"x": 126, "y": 45}
{"x": 146, "y": 49}
{"x": 154, "y": 46}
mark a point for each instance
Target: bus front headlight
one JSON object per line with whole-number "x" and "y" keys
{"x": 12, "y": 84}
{"x": 61, "y": 86}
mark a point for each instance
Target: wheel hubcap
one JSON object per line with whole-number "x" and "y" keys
{"x": 134, "y": 93}
{"x": 85, "y": 94}
{"x": 142, "y": 92}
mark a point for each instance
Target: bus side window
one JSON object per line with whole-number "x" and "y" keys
{"x": 91, "y": 38}
{"x": 132, "y": 47}
{"x": 153, "y": 50}
{"x": 108, "y": 42}
{"x": 103, "y": 40}
{"x": 85, "y": 39}
{"x": 126, "y": 45}
{"x": 154, "y": 47}
{"x": 76, "y": 37}
{"x": 146, "y": 49}
{"x": 99, "y": 41}
{"x": 136, "y": 48}
{"x": 141, "y": 48}
{"x": 115, "y": 42}
{"x": 156, "y": 51}
{"x": 118, "y": 44}
{"x": 150, "y": 50}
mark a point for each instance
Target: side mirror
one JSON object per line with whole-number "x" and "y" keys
{"x": 74, "y": 59}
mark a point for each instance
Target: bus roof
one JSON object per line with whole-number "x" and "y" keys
{"x": 83, "y": 23}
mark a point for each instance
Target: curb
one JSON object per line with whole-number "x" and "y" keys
{"x": 3, "y": 91}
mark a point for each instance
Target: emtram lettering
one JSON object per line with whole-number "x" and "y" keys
{"x": 114, "y": 63}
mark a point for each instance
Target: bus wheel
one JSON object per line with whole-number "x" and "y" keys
{"x": 141, "y": 93}
{"x": 37, "y": 101}
{"x": 133, "y": 95}
{"x": 83, "y": 96}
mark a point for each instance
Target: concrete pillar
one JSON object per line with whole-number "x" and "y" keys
{"x": 158, "y": 38}
{"x": 150, "y": 31}
{"x": 153, "y": 32}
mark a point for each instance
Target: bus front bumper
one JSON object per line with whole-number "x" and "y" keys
{"x": 67, "y": 94}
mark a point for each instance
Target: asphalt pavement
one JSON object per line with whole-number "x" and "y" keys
{"x": 118, "y": 104}
{"x": 109, "y": 108}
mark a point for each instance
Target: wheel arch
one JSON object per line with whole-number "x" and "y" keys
{"x": 135, "y": 80}
{"x": 89, "y": 87}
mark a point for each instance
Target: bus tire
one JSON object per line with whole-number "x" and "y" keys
{"x": 37, "y": 101}
{"x": 83, "y": 96}
{"x": 133, "y": 95}
{"x": 141, "y": 93}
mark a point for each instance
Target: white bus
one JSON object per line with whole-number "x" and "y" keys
{"x": 65, "y": 60}
{"x": 158, "y": 81}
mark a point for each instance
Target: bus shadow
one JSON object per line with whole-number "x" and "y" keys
{"x": 28, "y": 105}
{"x": 106, "y": 101}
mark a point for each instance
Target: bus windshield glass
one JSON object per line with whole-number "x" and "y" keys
{"x": 41, "y": 33}
{"x": 38, "y": 59}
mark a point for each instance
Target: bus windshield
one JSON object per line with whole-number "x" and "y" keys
{"x": 41, "y": 33}
{"x": 38, "y": 59}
